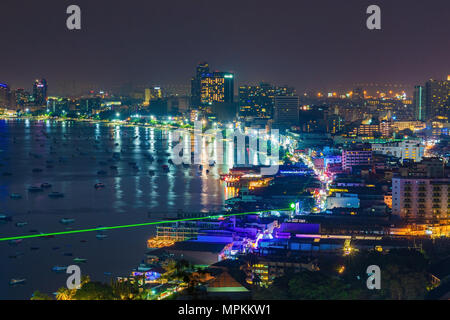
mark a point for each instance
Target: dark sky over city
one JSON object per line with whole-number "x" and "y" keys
{"x": 306, "y": 44}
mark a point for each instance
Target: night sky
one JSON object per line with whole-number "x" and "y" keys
{"x": 306, "y": 44}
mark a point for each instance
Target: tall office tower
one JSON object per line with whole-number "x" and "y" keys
{"x": 286, "y": 110}
{"x": 202, "y": 68}
{"x": 216, "y": 87}
{"x": 157, "y": 93}
{"x": 40, "y": 92}
{"x": 256, "y": 101}
{"x": 147, "y": 97}
{"x": 21, "y": 97}
{"x": 4, "y": 95}
{"x": 437, "y": 99}
{"x": 419, "y": 103}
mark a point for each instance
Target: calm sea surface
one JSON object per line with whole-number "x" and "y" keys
{"x": 70, "y": 155}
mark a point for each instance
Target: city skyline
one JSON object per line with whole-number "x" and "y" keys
{"x": 162, "y": 42}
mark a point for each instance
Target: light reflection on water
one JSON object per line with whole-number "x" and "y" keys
{"x": 70, "y": 158}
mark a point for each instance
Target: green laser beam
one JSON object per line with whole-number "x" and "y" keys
{"x": 133, "y": 225}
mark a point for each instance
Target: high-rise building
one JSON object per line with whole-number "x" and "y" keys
{"x": 196, "y": 93}
{"x": 258, "y": 101}
{"x": 4, "y": 95}
{"x": 217, "y": 87}
{"x": 419, "y": 103}
{"x": 211, "y": 87}
{"x": 421, "y": 199}
{"x": 437, "y": 99}
{"x": 286, "y": 110}
{"x": 40, "y": 92}
{"x": 147, "y": 97}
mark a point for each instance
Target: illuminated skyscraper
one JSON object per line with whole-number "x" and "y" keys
{"x": 258, "y": 101}
{"x": 202, "y": 68}
{"x": 40, "y": 92}
{"x": 4, "y": 95}
{"x": 437, "y": 97}
{"x": 419, "y": 103}
{"x": 216, "y": 87}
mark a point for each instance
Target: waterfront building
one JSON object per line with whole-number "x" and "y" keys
{"x": 216, "y": 87}
{"x": 40, "y": 92}
{"x": 4, "y": 95}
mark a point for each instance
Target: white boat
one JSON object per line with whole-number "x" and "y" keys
{"x": 101, "y": 236}
{"x": 14, "y": 282}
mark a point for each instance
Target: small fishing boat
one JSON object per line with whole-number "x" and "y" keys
{"x": 46, "y": 185}
{"x": 66, "y": 220}
{"x": 101, "y": 236}
{"x": 79, "y": 260}
{"x": 15, "y": 196}
{"x": 99, "y": 185}
{"x": 14, "y": 282}
{"x": 59, "y": 269}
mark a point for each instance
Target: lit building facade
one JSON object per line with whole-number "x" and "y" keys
{"x": 352, "y": 158}
{"x": 421, "y": 199}
{"x": 437, "y": 98}
{"x": 406, "y": 149}
{"x": 4, "y": 95}
{"x": 216, "y": 87}
{"x": 40, "y": 92}
{"x": 419, "y": 103}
